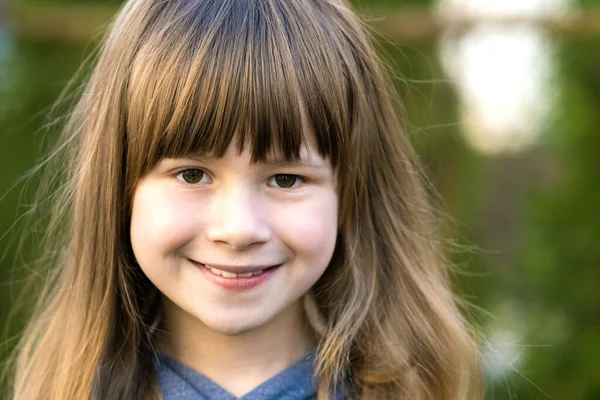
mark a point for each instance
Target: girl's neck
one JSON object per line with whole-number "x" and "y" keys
{"x": 238, "y": 363}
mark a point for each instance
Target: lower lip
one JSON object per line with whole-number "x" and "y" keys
{"x": 238, "y": 283}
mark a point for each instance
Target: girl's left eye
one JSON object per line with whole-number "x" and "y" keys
{"x": 193, "y": 176}
{"x": 285, "y": 181}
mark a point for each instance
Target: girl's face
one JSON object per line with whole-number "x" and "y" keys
{"x": 201, "y": 225}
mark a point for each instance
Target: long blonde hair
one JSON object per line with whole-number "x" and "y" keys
{"x": 182, "y": 76}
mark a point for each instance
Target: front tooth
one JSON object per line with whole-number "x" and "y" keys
{"x": 222, "y": 273}
{"x": 226, "y": 274}
{"x": 216, "y": 271}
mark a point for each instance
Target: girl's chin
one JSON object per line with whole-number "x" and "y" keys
{"x": 233, "y": 328}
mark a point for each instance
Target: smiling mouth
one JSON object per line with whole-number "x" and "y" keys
{"x": 232, "y": 275}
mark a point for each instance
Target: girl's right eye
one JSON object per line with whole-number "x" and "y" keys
{"x": 193, "y": 176}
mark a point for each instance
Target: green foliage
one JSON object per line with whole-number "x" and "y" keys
{"x": 31, "y": 77}
{"x": 544, "y": 283}
{"x": 561, "y": 257}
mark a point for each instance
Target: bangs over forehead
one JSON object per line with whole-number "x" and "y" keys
{"x": 258, "y": 74}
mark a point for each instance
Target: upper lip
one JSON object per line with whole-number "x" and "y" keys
{"x": 238, "y": 269}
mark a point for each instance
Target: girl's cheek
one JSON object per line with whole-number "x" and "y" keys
{"x": 310, "y": 227}
{"x": 163, "y": 220}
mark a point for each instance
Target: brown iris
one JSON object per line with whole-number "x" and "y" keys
{"x": 192, "y": 175}
{"x": 285, "y": 181}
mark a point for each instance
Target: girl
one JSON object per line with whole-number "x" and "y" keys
{"x": 241, "y": 216}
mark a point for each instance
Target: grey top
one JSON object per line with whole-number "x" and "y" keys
{"x": 179, "y": 382}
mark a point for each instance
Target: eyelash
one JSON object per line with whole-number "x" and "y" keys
{"x": 298, "y": 179}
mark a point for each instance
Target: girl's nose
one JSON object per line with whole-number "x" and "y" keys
{"x": 237, "y": 220}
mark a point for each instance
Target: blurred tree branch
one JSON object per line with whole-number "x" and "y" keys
{"x": 81, "y": 22}
{"x": 425, "y": 25}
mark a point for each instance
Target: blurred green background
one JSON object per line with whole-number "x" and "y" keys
{"x": 503, "y": 104}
